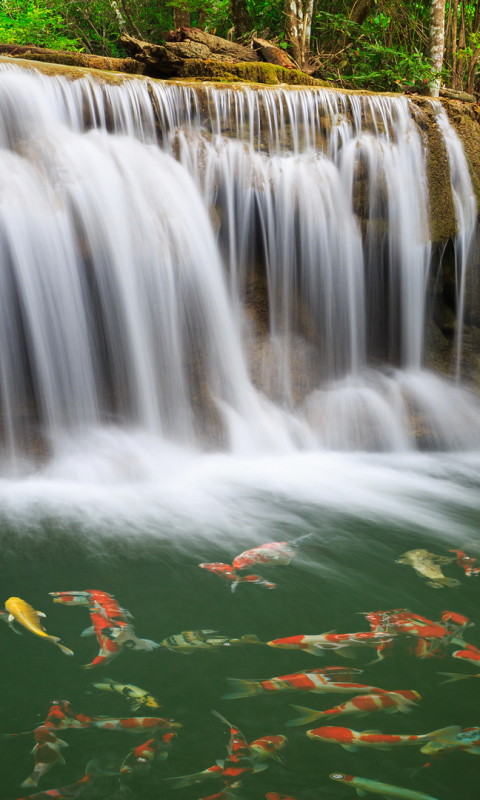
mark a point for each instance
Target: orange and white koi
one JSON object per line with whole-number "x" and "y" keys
{"x": 365, "y": 785}
{"x": 313, "y": 681}
{"x": 343, "y": 642}
{"x": 390, "y": 702}
{"x": 239, "y": 763}
{"x": 352, "y": 740}
{"x": 47, "y": 754}
{"x": 470, "y": 654}
{"x": 261, "y": 749}
{"x": 109, "y": 624}
{"x": 466, "y": 563}
{"x": 74, "y": 789}
{"x": 135, "y": 724}
{"x": 279, "y": 553}
{"x": 141, "y": 758}
{"x": 227, "y": 572}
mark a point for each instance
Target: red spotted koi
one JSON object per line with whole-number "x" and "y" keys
{"x": 343, "y": 642}
{"x": 470, "y": 654}
{"x": 313, "y": 681}
{"x": 261, "y": 749}
{"x": 279, "y": 553}
{"x": 141, "y": 758}
{"x": 73, "y": 790}
{"x": 466, "y": 563}
{"x": 227, "y": 572}
{"x": 134, "y": 724}
{"x": 47, "y": 754}
{"x": 352, "y": 740}
{"x": 390, "y": 702}
{"x": 239, "y": 763}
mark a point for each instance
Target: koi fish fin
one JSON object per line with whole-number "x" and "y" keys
{"x": 216, "y": 714}
{"x": 144, "y": 644}
{"x": 40, "y": 614}
{"x": 361, "y": 792}
{"x": 349, "y": 747}
{"x": 220, "y": 763}
{"x": 244, "y": 688}
{"x": 306, "y": 715}
{"x": 444, "y": 734}
{"x": 234, "y": 585}
{"x": 454, "y": 676}
{"x": 29, "y": 782}
{"x": 88, "y": 631}
{"x": 191, "y": 780}
{"x": 10, "y": 621}
{"x": 314, "y": 649}
{"x": 65, "y": 650}
{"x": 61, "y": 759}
{"x": 347, "y": 652}
{"x": 260, "y": 768}
{"x": 61, "y": 743}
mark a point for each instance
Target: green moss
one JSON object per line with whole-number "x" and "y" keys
{"x": 251, "y": 72}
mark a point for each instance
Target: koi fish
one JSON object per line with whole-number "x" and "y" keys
{"x": 134, "y": 724}
{"x": 467, "y": 563}
{"x": 139, "y": 697}
{"x": 390, "y": 702}
{"x": 428, "y": 566}
{"x": 459, "y": 621}
{"x": 456, "y": 676}
{"x": 47, "y": 754}
{"x": 351, "y": 740}
{"x": 343, "y": 642}
{"x": 239, "y": 763}
{"x": 109, "y": 624}
{"x": 364, "y": 785}
{"x": 280, "y": 553}
{"x": 75, "y": 789}
{"x": 261, "y": 749}
{"x": 61, "y": 716}
{"x": 23, "y": 613}
{"x": 468, "y": 739}
{"x": 227, "y": 572}
{"x": 470, "y": 654}
{"x": 141, "y": 758}
{"x": 188, "y": 641}
{"x": 313, "y": 681}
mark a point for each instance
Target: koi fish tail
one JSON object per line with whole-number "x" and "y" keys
{"x": 443, "y": 735}
{"x": 450, "y": 582}
{"x": 65, "y": 650}
{"x": 306, "y": 715}
{"x": 144, "y": 644}
{"x": 243, "y": 688}
{"x": 299, "y": 539}
{"x": 220, "y": 717}
{"x": 190, "y": 780}
{"x": 32, "y": 780}
{"x": 454, "y": 676}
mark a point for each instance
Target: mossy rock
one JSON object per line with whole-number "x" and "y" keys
{"x": 251, "y": 72}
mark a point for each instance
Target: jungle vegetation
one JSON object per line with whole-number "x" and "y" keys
{"x": 374, "y": 44}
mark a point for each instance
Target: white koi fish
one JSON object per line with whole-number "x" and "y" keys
{"x": 364, "y": 785}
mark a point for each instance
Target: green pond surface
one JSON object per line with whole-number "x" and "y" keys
{"x": 346, "y": 567}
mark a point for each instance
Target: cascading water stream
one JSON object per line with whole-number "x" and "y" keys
{"x": 114, "y": 304}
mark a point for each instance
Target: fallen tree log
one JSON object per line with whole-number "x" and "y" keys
{"x": 456, "y": 94}
{"x": 271, "y": 54}
{"x": 215, "y": 44}
{"x": 71, "y": 59}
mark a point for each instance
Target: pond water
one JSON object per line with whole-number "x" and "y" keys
{"x": 135, "y": 518}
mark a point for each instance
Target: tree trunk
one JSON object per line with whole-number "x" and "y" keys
{"x": 298, "y": 27}
{"x": 272, "y": 54}
{"x": 361, "y": 9}
{"x": 242, "y": 21}
{"x": 472, "y": 64}
{"x": 462, "y": 41}
{"x": 215, "y": 43}
{"x": 437, "y": 43}
{"x": 181, "y": 16}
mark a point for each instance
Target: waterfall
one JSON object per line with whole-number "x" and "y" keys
{"x": 141, "y": 222}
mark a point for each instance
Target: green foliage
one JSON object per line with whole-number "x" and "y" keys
{"x": 28, "y": 22}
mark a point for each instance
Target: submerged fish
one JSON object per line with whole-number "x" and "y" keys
{"x": 23, "y": 613}
{"x": 470, "y": 654}
{"x": 92, "y": 772}
{"x": 390, "y": 702}
{"x": 315, "y": 681}
{"x": 468, "y": 739}
{"x": 141, "y": 758}
{"x": 47, "y": 754}
{"x": 239, "y": 763}
{"x": 135, "y": 724}
{"x": 466, "y": 563}
{"x": 280, "y": 553}
{"x": 109, "y": 624}
{"x": 188, "y": 641}
{"x": 261, "y": 749}
{"x": 428, "y": 566}
{"x": 343, "y": 642}
{"x": 227, "y": 572}
{"x": 365, "y": 785}
{"x": 61, "y": 716}
{"x": 457, "y": 676}
{"x": 139, "y": 697}
{"x": 351, "y": 740}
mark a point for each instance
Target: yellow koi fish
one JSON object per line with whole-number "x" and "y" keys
{"x": 23, "y": 613}
{"x": 428, "y": 565}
